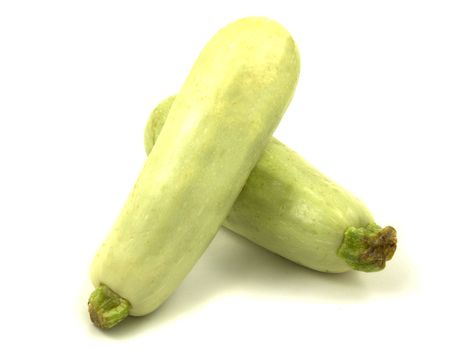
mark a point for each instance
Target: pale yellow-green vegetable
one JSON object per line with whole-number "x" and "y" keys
{"x": 292, "y": 209}
{"x": 226, "y": 111}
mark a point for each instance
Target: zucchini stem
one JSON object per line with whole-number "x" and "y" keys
{"x": 106, "y": 308}
{"x": 368, "y": 248}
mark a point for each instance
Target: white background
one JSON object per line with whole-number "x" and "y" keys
{"x": 383, "y": 107}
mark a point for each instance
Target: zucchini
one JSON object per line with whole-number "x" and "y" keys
{"x": 216, "y": 130}
{"x": 293, "y": 210}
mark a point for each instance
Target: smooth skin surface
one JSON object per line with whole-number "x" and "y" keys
{"x": 226, "y": 111}
{"x": 292, "y": 209}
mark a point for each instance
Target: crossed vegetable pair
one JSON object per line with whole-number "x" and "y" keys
{"x": 212, "y": 161}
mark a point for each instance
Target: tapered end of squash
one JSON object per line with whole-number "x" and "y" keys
{"x": 106, "y": 308}
{"x": 156, "y": 121}
{"x": 368, "y": 248}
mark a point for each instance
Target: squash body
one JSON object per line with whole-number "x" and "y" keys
{"x": 216, "y": 130}
{"x": 287, "y": 206}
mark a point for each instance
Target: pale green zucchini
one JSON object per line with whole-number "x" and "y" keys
{"x": 216, "y": 130}
{"x": 291, "y": 209}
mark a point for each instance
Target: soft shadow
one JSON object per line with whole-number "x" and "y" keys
{"x": 233, "y": 265}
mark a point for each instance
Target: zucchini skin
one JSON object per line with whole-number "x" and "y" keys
{"x": 292, "y": 209}
{"x": 216, "y": 130}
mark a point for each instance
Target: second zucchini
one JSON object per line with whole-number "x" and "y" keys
{"x": 292, "y": 209}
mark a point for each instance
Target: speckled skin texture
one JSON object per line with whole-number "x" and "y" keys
{"x": 217, "y": 128}
{"x": 292, "y": 209}
{"x": 287, "y": 206}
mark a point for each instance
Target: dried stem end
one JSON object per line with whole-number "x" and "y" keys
{"x": 106, "y": 308}
{"x": 368, "y": 248}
